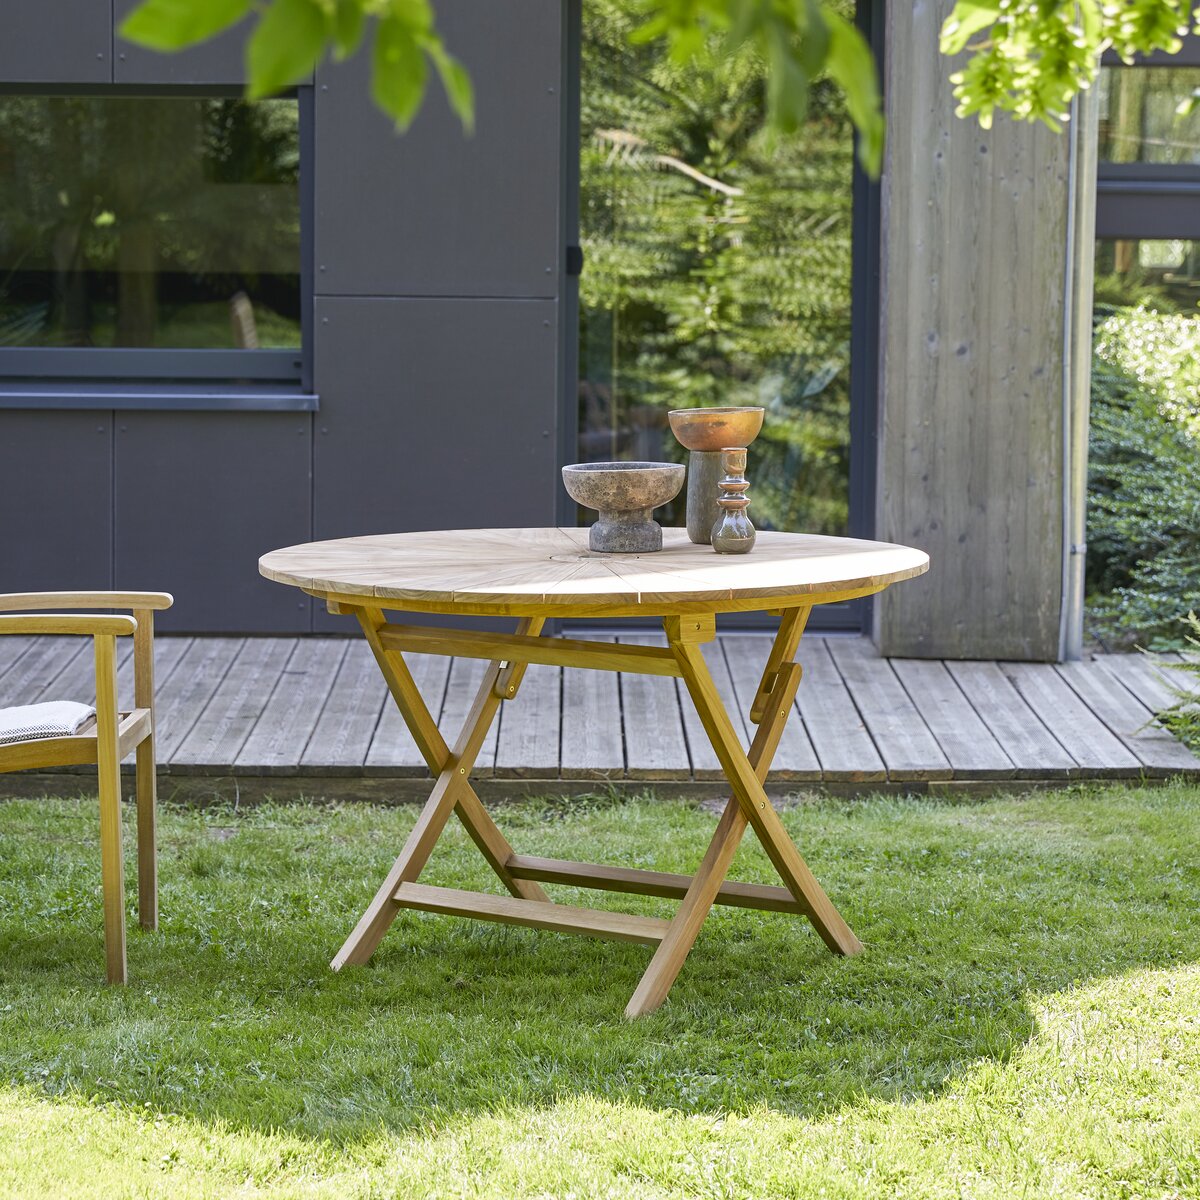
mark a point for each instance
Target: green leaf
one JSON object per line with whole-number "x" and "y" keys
{"x": 398, "y": 71}
{"x": 348, "y": 23}
{"x": 456, "y": 82}
{"x": 968, "y": 18}
{"x": 852, "y": 67}
{"x": 286, "y": 45}
{"x": 174, "y": 24}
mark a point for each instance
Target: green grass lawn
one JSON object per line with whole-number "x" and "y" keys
{"x": 1025, "y": 1020}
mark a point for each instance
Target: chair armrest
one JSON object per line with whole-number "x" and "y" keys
{"x": 27, "y": 601}
{"x": 67, "y": 623}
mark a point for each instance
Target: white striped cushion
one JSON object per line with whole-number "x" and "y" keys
{"x": 27, "y": 723}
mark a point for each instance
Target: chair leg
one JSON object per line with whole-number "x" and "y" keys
{"x": 147, "y": 853}
{"x": 112, "y": 868}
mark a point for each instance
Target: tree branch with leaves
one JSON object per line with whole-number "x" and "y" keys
{"x": 1027, "y": 58}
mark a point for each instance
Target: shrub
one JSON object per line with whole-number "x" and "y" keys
{"x": 1144, "y": 477}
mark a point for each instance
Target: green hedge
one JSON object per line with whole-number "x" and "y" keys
{"x": 1144, "y": 478}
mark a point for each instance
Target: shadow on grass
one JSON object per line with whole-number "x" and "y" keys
{"x": 968, "y": 914}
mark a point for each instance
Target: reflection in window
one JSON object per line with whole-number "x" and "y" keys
{"x": 717, "y": 268}
{"x": 1147, "y": 116}
{"x": 149, "y": 222}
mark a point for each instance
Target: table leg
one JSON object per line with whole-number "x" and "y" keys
{"x": 452, "y": 791}
{"x": 706, "y": 883}
{"x": 749, "y": 805}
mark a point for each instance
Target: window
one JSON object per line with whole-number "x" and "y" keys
{"x": 718, "y": 268}
{"x": 1143, "y": 572}
{"x": 150, "y": 237}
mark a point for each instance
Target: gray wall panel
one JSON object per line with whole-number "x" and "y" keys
{"x": 433, "y": 212}
{"x": 55, "y": 41}
{"x": 55, "y": 501}
{"x": 221, "y": 60}
{"x": 435, "y": 414}
{"x": 198, "y": 498}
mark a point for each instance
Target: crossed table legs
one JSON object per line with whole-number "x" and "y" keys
{"x": 522, "y": 875}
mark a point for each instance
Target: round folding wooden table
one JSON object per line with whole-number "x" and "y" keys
{"x": 536, "y": 575}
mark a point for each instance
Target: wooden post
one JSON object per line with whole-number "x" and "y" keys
{"x": 975, "y": 332}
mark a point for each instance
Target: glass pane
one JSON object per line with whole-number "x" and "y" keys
{"x": 717, "y": 269}
{"x": 1146, "y": 115}
{"x": 149, "y": 222}
{"x": 1143, "y": 559}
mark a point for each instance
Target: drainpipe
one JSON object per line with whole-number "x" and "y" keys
{"x": 1077, "y": 365}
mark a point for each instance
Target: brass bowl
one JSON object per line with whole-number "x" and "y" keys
{"x": 715, "y": 428}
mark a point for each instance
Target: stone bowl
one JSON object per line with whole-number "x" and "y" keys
{"x": 625, "y": 494}
{"x": 713, "y": 429}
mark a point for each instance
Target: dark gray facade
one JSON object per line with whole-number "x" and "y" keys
{"x": 438, "y": 310}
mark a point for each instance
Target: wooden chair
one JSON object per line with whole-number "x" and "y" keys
{"x": 104, "y": 740}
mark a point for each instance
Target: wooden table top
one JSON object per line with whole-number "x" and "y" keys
{"x": 530, "y": 572}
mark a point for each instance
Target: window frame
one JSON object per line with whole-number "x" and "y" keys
{"x": 1149, "y": 200}
{"x": 188, "y": 379}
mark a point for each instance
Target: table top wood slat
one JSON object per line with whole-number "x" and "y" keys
{"x": 1089, "y": 742}
{"x": 551, "y": 571}
{"x": 905, "y": 743}
{"x": 1128, "y": 719}
{"x": 960, "y": 732}
{"x": 1034, "y": 750}
{"x": 655, "y": 745}
{"x": 746, "y": 655}
{"x": 291, "y": 712}
{"x": 343, "y": 732}
{"x": 592, "y": 745}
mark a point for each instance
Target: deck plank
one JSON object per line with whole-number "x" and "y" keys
{"x": 1081, "y": 732}
{"x": 592, "y": 743}
{"x": 392, "y": 748}
{"x": 1147, "y": 676}
{"x": 179, "y": 701}
{"x": 960, "y": 732}
{"x": 746, "y": 655}
{"x": 655, "y": 743}
{"x": 843, "y": 745}
{"x": 290, "y": 714}
{"x": 908, "y": 749}
{"x": 464, "y": 678}
{"x": 343, "y": 732}
{"x": 229, "y": 717}
{"x": 530, "y": 726}
{"x": 33, "y": 677}
{"x": 1128, "y": 719}
{"x": 1034, "y": 750}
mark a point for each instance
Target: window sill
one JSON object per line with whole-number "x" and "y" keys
{"x": 156, "y": 397}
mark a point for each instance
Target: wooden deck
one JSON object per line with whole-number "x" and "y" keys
{"x": 240, "y": 716}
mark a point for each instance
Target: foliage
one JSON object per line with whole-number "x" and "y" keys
{"x": 718, "y": 265}
{"x": 1029, "y": 58}
{"x": 1023, "y": 1022}
{"x": 1183, "y": 717}
{"x": 1144, "y": 490}
{"x": 1161, "y": 352}
{"x": 1026, "y": 57}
